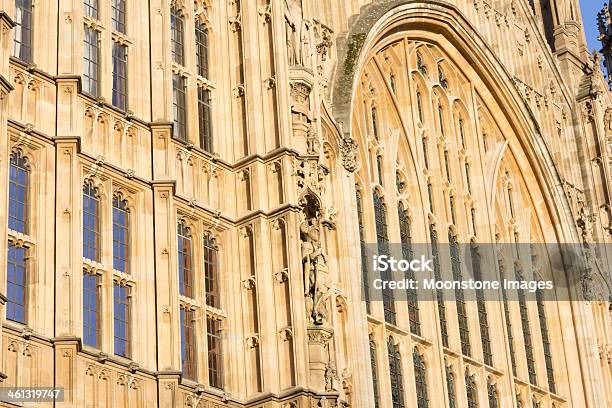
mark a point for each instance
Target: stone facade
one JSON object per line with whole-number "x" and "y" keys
{"x": 478, "y": 120}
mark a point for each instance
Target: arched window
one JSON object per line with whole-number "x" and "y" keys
{"x": 420, "y": 63}
{"x": 408, "y": 254}
{"x": 468, "y": 178}
{"x": 399, "y": 183}
{"x": 419, "y": 101}
{"x": 462, "y": 132}
{"x": 201, "y": 37}
{"x": 374, "y": 117}
{"x": 430, "y": 196}
{"x": 441, "y": 118}
{"x": 379, "y": 168}
{"x": 363, "y": 249}
{"x": 483, "y": 318}
{"x": 211, "y": 271}
{"x": 19, "y": 182}
{"x": 425, "y": 153}
{"x": 546, "y": 343}
{"x": 382, "y": 239}
{"x": 525, "y": 324}
{"x": 451, "y": 204}
{"x": 177, "y": 28}
{"x": 420, "y": 379}
{"x": 471, "y": 390}
{"x": 91, "y": 222}
{"x": 121, "y": 234}
{"x": 374, "y": 372}
{"x": 442, "y": 77}
{"x": 464, "y": 331}
{"x": 185, "y": 257}
{"x": 447, "y": 165}
{"x": 395, "y": 374}
{"x": 450, "y": 387}
{"x": 492, "y": 395}
{"x": 473, "y": 219}
{"x": 433, "y": 237}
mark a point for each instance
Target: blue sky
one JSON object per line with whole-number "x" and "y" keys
{"x": 590, "y": 8}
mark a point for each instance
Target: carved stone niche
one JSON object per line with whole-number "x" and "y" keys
{"x": 301, "y": 113}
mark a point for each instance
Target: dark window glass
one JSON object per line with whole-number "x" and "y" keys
{"x": 430, "y": 196}
{"x": 91, "y": 8}
{"x": 420, "y": 63}
{"x": 502, "y": 276}
{"x": 215, "y": 363}
{"x": 473, "y": 217}
{"x": 374, "y": 372}
{"x": 392, "y": 81}
{"x": 121, "y": 300}
{"x": 425, "y": 152}
{"x": 179, "y": 104}
{"x": 483, "y": 318}
{"x": 91, "y": 309}
{"x": 441, "y": 118}
{"x": 492, "y": 396}
{"x": 447, "y": 165}
{"x": 468, "y": 179}
{"x": 462, "y": 132}
{"x": 119, "y": 76}
{"x": 442, "y": 77}
{"x": 91, "y": 59}
{"x": 435, "y": 254}
{"x": 450, "y": 388}
{"x": 395, "y": 374}
{"x": 16, "y": 280}
{"x": 464, "y": 331}
{"x": 177, "y": 26}
{"x": 363, "y": 250}
{"x": 471, "y": 391}
{"x": 382, "y": 239}
{"x": 211, "y": 271}
{"x": 527, "y": 338}
{"x": 201, "y": 36}
{"x": 121, "y": 236}
{"x": 408, "y": 254}
{"x": 419, "y": 100}
{"x": 546, "y": 343}
{"x": 185, "y": 256}
{"x": 205, "y": 120}
{"x": 19, "y": 180}
{"x": 420, "y": 380}
{"x": 188, "y": 344}
{"x": 118, "y": 15}
{"x": 91, "y": 222}
{"x": 379, "y": 169}
{"x": 22, "y": 44}
{"x": 451, "y": 203}
{"x": 374, "y": 115}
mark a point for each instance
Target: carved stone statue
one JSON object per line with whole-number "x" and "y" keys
{"x": 293, "y": 22}
{"x": 331, "y": 377}
{"x": 312, "y": 139}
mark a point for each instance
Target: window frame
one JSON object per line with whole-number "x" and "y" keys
{"x": 120, "y": 76}
{"x": 126, "y": 322}
{"x": 91, "y": 61}
{"x": 179, "y": 107}
{"x": 97, "y": 332}
{"x": 120, "y": 205}
{"x": 188, "y": 333}
{"x": 18, "y": 263}
{"x": 24, "y": 23}
{"x": 92, "y": 195}
{"x": 19, "y": 167}
{"x": 119, "y": 15}
{"x": 185, "y": 258}
{"x": 177, "y": 35}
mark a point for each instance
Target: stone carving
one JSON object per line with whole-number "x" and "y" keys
{"x": 300, "y": 108}
{"x": 348, "y": 153}
{"x": 331, "y": 377}
{"x": 293, "y": 14}
{"x": 312, "y": 139}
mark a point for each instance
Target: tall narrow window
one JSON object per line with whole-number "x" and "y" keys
{"x": 119, "y": 76}
{"x": 22, "y": 42}
{"x": 19, "y": 181}
{"x": 425, "y": 152}
{"x": 420, "y": 379}
{"x": 91, "y": 61}
{"x": 473, "y": 219}
{"x": 91, "y": 8}
{"x": 527, "y": 338}
{"x": 374, "y": 372}
{"x": 204, "y": 120}
{"x": 374, "y": 116}
{"x": 91, "y": 309}
{"x": 419, "y": 100}
{"x": 442, "y": 77}
{"x": 468, "y": 180}
{"x": 118, "y": 15}
{"x": 435, "y": 254}
{"x": 16, "y": 283}
{"x": 177, "y": 40}
{"x": 546, "y": 343}
{"x": 185, "y": 256}
{"x": 462, "y": 132}
{"x": 471, "y": 390}
{"x": 462, "y": 317}
{"x": 502, "y": 276}
{"x": 420, "y": 63}
{"x": 201, "y": 34}
{"x": 441, "y": 118}
{"x": 395, "y": 374}
{"x": 483, "y": 319}
{"x": 188, "y": 344}
{"x": 363, "y": 250}
{"x": 121, "y": 300}
{"x": 430, "y": 196}
{"x": 379, "y": 168}
{"x": 447, "y": 165}
{"x": 91, "y": 222}
{"x": 121, "y": 237}
{"x": 451, "y": 204}
{"x": 179, "y": 104}
{"x": 450, "y": 388}
{"x": 382, "y": 239}
{"x": 215, "y": 364}
{"x": 492, "y": 395}
{"x": 408, "y": 254}
{"x": 392, "y": 81}
{"x": 211, "y": 285}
